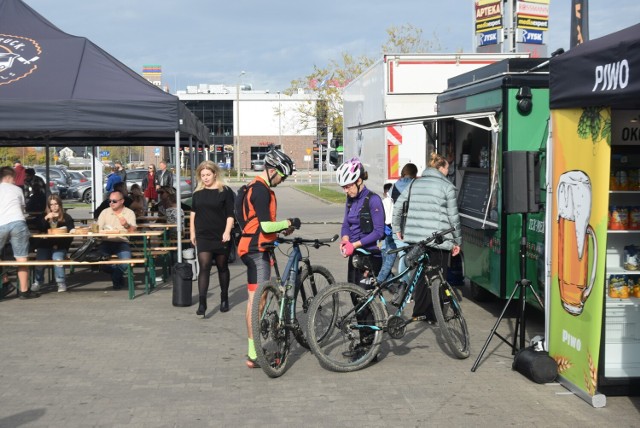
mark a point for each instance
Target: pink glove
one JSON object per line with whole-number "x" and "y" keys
{"x": 346, "y": 248}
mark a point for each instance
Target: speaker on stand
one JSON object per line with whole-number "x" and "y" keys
{"x": 521, "y": 195}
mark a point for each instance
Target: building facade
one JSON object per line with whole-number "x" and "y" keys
{"x": 250, "y": 122}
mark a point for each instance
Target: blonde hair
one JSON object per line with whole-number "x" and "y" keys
{"x": 215, "y": 169}
{"x": 437, "y": 161}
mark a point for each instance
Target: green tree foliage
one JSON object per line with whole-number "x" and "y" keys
{"x": 326, "y": 83}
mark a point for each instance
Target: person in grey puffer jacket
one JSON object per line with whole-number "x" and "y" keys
{"x": 433, "y": 208}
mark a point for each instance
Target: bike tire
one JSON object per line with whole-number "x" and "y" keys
{"x": 311, "y": 283}
{"x": 270, "y": 335}
{"x": 332, "y": 314}
{"x": 450, "y": 320}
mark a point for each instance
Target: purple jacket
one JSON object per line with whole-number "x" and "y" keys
{"x": 351, "y": 221}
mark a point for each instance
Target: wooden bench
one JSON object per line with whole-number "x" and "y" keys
{"x": 114, "y": 261}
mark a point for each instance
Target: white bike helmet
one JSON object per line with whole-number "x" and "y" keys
{"x": 349, "y": 172}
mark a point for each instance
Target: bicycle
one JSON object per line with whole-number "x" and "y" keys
{"x": 346, "y": 322}
{"x": 281, "y": 304}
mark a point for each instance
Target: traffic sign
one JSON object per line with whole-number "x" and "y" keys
{"x": 105, "y": 154}
{"x": 157, "y": 151}
{"x": 308, "y": 151}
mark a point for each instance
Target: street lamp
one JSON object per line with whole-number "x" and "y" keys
{"x": 237, "y": 150}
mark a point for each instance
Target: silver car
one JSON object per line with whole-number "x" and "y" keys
{"x": 135, "y": 176}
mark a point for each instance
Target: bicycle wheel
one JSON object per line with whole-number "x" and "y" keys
{"x": 270, "y": 335}
{"x": 351, "y": 327}
{"x": 311, "y": 283}
{"x": 450, "y": 320}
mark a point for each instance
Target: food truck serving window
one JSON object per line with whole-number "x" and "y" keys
{"x": 478, "y": 188}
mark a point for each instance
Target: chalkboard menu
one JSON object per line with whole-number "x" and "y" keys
{"x": 473, "y": 199}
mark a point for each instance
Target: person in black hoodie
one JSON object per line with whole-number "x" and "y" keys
{"x": 52, "y": 248}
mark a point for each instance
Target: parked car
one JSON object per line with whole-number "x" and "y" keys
{"x": 81, "y": 191}
{"x": 58, "y": 175}
{"x": 86, "y": 173}
{"x": 136, "y": 176}
{"x": 76, "y": 178}
{"x": 53, "y": 187}
{"x": 258, "y": 165}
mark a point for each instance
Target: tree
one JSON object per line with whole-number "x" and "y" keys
{"x": 408, "y": 39}
{"x": 327, "y": 83}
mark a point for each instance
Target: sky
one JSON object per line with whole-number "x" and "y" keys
{"x": 277, "y": 41}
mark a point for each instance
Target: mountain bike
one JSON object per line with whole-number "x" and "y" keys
{"x": 346, "y": 322}
{"x": 281, "y": 305}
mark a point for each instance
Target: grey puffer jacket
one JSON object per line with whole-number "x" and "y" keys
{"x": 433, "y": 207}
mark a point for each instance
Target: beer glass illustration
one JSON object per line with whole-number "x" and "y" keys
{"x": 574, "y": 211}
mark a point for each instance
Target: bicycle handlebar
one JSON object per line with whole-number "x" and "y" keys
{"x": 434, "y": 237}
{"x": 297, "y": 240}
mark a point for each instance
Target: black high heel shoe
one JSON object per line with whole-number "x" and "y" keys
{"x": 224, "y": 306}
{"x": 202, "y": 308}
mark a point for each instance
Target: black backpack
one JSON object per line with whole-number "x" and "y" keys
{"x": 238, "y": 205}
{"x": 89, "y": 251}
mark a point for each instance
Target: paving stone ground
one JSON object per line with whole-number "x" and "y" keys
{"x": 92, "y": 358}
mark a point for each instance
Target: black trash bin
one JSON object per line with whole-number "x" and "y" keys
{"x": 182, "y": 280}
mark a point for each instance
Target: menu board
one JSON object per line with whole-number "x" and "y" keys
{"x": 473, "y": 200}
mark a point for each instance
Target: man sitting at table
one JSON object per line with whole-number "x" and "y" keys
{"x": 118, "y": 187}
{"x": 116, "y": 218}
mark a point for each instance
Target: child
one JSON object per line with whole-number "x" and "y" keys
{"x": 388, "y": 244}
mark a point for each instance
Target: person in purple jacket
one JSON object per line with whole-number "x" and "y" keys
{"x": 363, "y": 224}
{"x": 362, "y": 227}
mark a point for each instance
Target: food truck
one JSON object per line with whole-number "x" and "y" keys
{"x": 492, "y": 125}
{"x": 489, "y": 118}
{"x": 593, "y": 217}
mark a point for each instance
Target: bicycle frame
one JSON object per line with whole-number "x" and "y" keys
{"x": 290, "y": 281}
{"x": 423, "y": 267}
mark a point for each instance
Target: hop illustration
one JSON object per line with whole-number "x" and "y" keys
{"x": 592, "y": 124}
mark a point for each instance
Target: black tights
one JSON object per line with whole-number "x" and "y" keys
{"x": 222, "y": 264}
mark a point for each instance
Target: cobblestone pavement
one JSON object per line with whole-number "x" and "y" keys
{"x": 91, "y": 357}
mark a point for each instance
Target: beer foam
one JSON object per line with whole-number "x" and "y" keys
{"x": 574, "y": 203}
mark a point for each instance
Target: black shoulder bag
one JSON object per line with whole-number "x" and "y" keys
{"x": 89, "y": 251}
{"x": 405, "y": 209}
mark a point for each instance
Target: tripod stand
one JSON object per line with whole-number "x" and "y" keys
{"x": 522, "y": 285}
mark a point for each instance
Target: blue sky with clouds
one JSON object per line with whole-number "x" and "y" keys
{"x": 276, "y": 41}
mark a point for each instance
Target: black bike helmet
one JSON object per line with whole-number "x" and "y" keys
{"x": 277, "y": 159}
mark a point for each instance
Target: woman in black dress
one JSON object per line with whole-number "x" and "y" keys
{"x": 211, "y": 221}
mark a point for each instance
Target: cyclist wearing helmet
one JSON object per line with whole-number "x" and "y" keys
{"x": 358, "y": 228}
{"x": 259, "y": 214}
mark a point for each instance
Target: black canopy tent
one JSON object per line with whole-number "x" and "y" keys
{"x": 65, "y": 90}
{"x": 602, "y": 72}
{"x": 61, "y": 90}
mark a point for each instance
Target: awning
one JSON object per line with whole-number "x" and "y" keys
{"x": 463, "y": 117}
